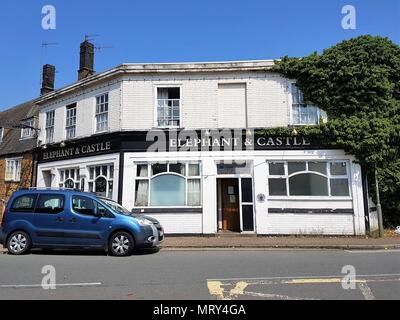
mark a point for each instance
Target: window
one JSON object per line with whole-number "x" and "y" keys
{"x": 27, "y": 130}
{"x": 13, "y": 169}
{"x": 70, "y": 126}
{"x": 50, "y": 203}
{"x": 308, "y": 178}
{"x": 101, "y": 180}
{"x": 84, "y": 205}
{"x": 50, "y": 126}
{"x": 1, "y": 134}
{"x": 25, "y": 203}
{"x": 167, "y": 184}
{"x": 303, "y": 113}
{"x": 168, "y": 107}
{"x": 70, "y": 179}
{"x": 102, "y": 113}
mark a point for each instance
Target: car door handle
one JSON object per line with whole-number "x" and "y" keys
{"x": 59, "y": 219}
{"x": 72, "y": 220}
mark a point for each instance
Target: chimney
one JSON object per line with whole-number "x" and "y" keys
{"x": 86, "y": 62}
{"x": 48, "y": 79}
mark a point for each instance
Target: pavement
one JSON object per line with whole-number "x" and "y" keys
{"x": 281, "y": 274}
{"x": 276, "y": 242}
{"x": 291, "y": 242}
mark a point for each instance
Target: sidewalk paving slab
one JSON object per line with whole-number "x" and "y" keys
{"x": 241, "y": 242}
{"x": 300, "y": 242}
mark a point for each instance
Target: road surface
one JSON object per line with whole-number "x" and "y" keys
{"x": 202, "y": 274}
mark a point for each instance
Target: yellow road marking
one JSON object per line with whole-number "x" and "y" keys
{"x": 239, "y": 288}
{"x": 215, "y": 288}
{"x": 314, "y": 280}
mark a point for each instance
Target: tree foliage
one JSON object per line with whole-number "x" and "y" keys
{"x": 357, "y": 82}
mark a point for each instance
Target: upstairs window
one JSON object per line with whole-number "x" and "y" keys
{"x": 1, "y": 134}
{"x": 303, "y": 113}
{"x": 102, "y": 113}
{"x": 70, "y": 126}
{"x": 50, "y": 126}
{"x": 168, "y": 107}
{"x": 13, "y": 170}
{"x": 27, "y": 130}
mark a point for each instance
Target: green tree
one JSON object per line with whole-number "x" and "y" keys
{"x": 357, "y": 82}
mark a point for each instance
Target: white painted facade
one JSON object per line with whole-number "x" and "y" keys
{"x": 216, "y": 95}
{"x": 265, "y": 222}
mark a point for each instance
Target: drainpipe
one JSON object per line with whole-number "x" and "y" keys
{"x": 365, "y": 200}
{"x": 378, "y": 204}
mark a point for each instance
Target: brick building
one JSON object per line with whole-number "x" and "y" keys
{"x": 17, "y": 139}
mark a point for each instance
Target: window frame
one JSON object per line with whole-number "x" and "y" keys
{"x": 110, "y": 177}
{"x": 49, "y": 194}
{"x": 97, "y": 114}
{"x": 31, "y": 210}
{"x": 17, "y": 171}
{"x": 291, "y": 105}
{"x": 69, "y": 107}
{"x": 328, "y": 176}
{"x": 49, "y": 127}
{"x": 30, "y": 122}
{"x": 186, "y": 176}
{"x": 77, "y": 181}
{"x": 170, "y": 85}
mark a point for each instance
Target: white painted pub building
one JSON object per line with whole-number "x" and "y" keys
{"x": 176, "y": 141}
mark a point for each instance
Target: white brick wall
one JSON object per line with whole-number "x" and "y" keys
{"x": 267, "y": 100}
{"x": 132, "y": 102}
{"x": 85, "y": 99}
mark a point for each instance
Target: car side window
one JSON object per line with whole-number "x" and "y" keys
{"x": 83, "y": 205}
{"x": 25, "y": 203}
{"x": 50, "y": 203}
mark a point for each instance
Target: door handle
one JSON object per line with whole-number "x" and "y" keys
{"x": 59, "y": 219}
{"x": 72, "y": 220}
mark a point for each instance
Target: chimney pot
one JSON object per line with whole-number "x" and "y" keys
{"x": 48, "y": 76}
{"x": 86, "y": 63}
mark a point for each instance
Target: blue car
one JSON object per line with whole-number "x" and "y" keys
{"x": 63, "y": 218}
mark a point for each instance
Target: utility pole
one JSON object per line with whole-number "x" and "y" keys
{"x": 378, "y": 205}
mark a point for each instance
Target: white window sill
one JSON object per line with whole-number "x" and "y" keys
{"x": 303, "y": 124}
{"x": 167, "y": 127}
{"x": 103, "y": 131}
{"x": 311, "y": 198}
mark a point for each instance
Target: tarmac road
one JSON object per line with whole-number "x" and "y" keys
{"x": 203, "y": 274}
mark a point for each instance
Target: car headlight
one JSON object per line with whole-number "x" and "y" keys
{"x": 144, "y": 222}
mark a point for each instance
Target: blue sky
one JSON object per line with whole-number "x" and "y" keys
{"x": 173, "y": 30}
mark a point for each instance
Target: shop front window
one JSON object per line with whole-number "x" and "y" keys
{"x": 101, "y": 180}
{"x": 69, "y": 178}
{"x": 308, "y": 178}
{"x": 168, "y": 184}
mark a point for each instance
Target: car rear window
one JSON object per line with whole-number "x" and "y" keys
{"x": 50, "y": 203}
{"x": 25, "y": 203}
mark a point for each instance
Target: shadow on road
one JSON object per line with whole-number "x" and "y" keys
{"x": 72, "y": 252}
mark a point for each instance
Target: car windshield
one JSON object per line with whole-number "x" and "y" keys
{"x": 115, "y": 206}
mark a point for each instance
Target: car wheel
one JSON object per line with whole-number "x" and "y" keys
{"x": 18, "y": 243}
{"x": 121, "y": 244}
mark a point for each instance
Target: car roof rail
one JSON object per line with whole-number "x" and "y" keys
{"x": 51, "y": 188}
